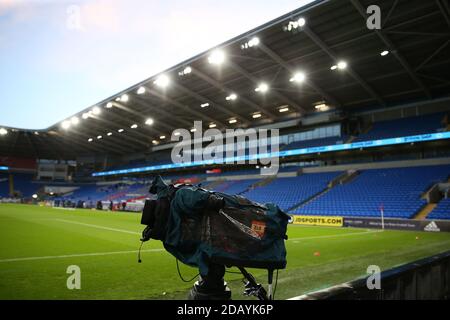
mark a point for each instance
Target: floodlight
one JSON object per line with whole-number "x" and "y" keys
{"x": 96, "y": 110}
{"x": 263, "y": 87}
{"x": 162, "y": 81}
{"x": 298, "y": 77}
{"x": 65, "y": 124}
{"x": 232, "y": 96}
{"x": 141, "y": 90}
{"x": 216, "y": 57}
{"x": 342, "y": 65}
{"x": 75, "y": 120}
{"x": 124, "y": 98}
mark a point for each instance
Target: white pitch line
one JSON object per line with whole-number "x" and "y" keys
{"x": 336, "y": 235}
{"x": 78, "y": 255}
{"x": 97, "y": 226}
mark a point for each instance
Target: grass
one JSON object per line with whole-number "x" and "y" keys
{"x": 37, "y": 244}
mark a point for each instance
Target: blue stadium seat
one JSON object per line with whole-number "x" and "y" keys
{"x": 398, "y": 190}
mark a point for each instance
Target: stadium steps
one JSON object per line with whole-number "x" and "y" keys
{"x": 423, "y": 213}
{"x": 260, "y": 183}
{"x": 213, "y": 185}
{"x": 350, "y": 139}
{"x": 341, "y": 179}
{"x": 314, "y": 197}
{"x": 345, "y": 177}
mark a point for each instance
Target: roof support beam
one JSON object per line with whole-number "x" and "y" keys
{"x": 113, "y": 126}
{"x": 315, "y": 38}
{"x": 32, "y": 146}
{"x": 203, "y": 99}
{"x": 255, "y": 81}
{"x": 105, "y": 145}
{"x": 275, "y": 57}
{"x": 222, "y": 87}
{"x": 394, "y": 51}
{"x": 444, "y": 11}
{"x": 197, "y": 114}
{"x": 164, "y": 113}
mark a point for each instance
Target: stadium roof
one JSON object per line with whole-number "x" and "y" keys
{"x": 319, "y": 54}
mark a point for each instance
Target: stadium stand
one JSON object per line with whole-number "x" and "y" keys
{"x": 404, "y": 127}
{"x": 397, "y": 190}
{"x": 289, "y": 192}
{"x": 442, "y": 210}
{"x": 4, "y": 185}
{"x": 23, "y": 184}
{"x": 236, "y": 186}
{"x": 315, "y": 143}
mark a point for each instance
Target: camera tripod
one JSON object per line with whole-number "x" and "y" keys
{"x": 213, "y": 287}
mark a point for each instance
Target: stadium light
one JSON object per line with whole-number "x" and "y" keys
{"x": 216, "y": 57}
{"x": 74, "y": 120}
{"x": 120, "y": 130}
{"x": 342, "y": 65}
{"x": 296, "y": 24}
{"x": 283, "y": 109}
{"x": 155, "y": 141}
{"x": 109, "y": 134}
{"x": 85, "y": 115}
{"x": 185, "y": 71}
{"x": 162, "y": 137}
{"x": 124, "y": 98}
{"x": 34, "y": 196}
{"x": 384, "y": 53}
{"x": 3, "y": 131}
{"x": 99, "y": 137}
{"x": 298, "y": 77}
{"x": 231, "y": 97}
{"x": 193, "y": 130}
{"x": 204, "y": 105}
{"x": 176, "y": 133}
{"x": 263, "y": 87}
{"x": 334, "y": 67}
{"x": 212, "y": 125}
{"x": 36, "y": 133}
{"x": 232, "y": 121}
{"x": 109, "y": 105}
{"x": 141, "y": 90}
{"x": 118, "y": 99}
{"x": 96, "y": 110}
{"x": 256, "y": 115}
{"x": 65, "y": 124}
{"x": 90, "y": 140}
{"x": 253, "y": 42}
{"x": 322, "y": 107}
{"x": 162, "y": 81}
{"x": 149, "y": 121}
{"x": 134, "y": 126}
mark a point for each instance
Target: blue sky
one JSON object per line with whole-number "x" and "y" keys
{"x": 58, "y": 57}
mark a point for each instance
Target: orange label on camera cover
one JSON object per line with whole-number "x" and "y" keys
{"x": 259, "y": 228}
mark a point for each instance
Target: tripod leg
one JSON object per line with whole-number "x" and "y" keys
{"x": 211, "y": 286}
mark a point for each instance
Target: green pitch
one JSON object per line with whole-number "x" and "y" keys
{"x": 37, "y": 244}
